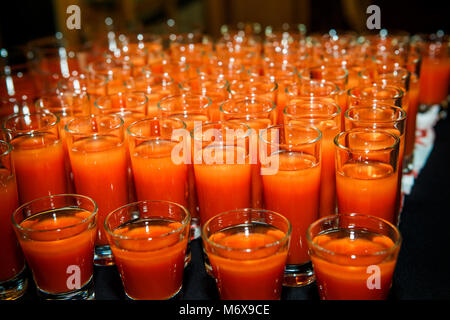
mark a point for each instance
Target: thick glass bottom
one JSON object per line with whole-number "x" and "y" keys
{"x": 86, "y": 292}
{"x": 298, "y": 275}
{"x": 14, "y": 288}
{"x": 103, "y": 256}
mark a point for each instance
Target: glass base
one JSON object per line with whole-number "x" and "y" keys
{"x": 175, "y": 296}
{"x": 103, "y": 256}
{"x": 195, "y": 228}
{"x": 298, "y": 275}
{"x": 86, "y": 292}
{"x": 14, "y": 288}
{"x": 408, "y": 164}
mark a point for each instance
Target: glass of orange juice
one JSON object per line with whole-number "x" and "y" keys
{"x": 290, "y": 156}
{"x": 57, "y": 236}
{"x": 367, "y": 172}
{"x": 247, "y": 249}
{"x": 149, "y": 241}
{"x": 354, "y": 256}
{"x": 13, "y": 280}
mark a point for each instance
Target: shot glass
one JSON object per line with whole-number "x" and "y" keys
{"x": 313, "y": 88}
{"x": 212, "y": 87}
{"x": 258, "y": 114}
{"x": 367, "y": 95}
{"x": 13, "y": 280}
{"x": 117, "y": 71}
{"x": 384, "y": 117}
{"x": 157, "y": 176}
{"x": 434, "y": 75}
{"x": 334, "y": 74}
{"x": 221, "y": 167}
{"x": 57, "y": 236}
{"x": 149, "y": 241}
{"x": 193, "y": 110}
{"x": 291, "y": 159}
{"x": 259, "y": 87}
{"x": 66, "y": 106}
{"x": 354, "y": 256}
{"x": 10, "y": 106}
{"x": 154, "y": 86}
{"x": 37, "y": 154}
{"x": 130, "y": 106}
{"x": 284, "y": 74}
{"x": 99, "y": 160}
{"x": 247, "y": 249}
{"x": 367, "y": 172}
{"x": 188, "y": 107}
{"x": 325, "y": 116}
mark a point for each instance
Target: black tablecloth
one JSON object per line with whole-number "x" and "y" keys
{"x": 423, "y": 268}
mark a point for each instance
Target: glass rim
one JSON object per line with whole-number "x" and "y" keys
{"x": 125, "y": 95}
{"x": 177, "y": 96}
{"x": 384, "y": 106}
{"x": 367, "y": 130}
{"x": 33, "y": 131}
{"x": 397, "y": 241}
{"x": 93, "y": 212}
{"x": 182, "y": 84}
{"x": 272, "y": 90}
{"x": 8, "y": 148}
{"x": 309, "y": 127}
{"x": 396, "y": 70}
{"x": 309, "y": 101}
{"x": 149, "y": 119}
{"x": 61, "y": 97}
{"x": 184, "y": 223}
{"x": 84, "y": 118}
{"x": 241, "y": 124}
{"x": 242, "y": 100}
{"x": 245, "y": 210}
{"x": 325, "y": 68}
{"x": 335, "y": 91}
{"x": 399, "y": 92}
{"x": 146, "y": 74}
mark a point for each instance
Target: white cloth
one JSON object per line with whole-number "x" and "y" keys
{"x": 425, "y": 137}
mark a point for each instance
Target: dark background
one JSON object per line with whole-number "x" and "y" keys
{"x": 24, "y": 20}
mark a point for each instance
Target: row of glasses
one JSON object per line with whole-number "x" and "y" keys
{"x": 132, "y": 237}
{"x": 242, "y": 75}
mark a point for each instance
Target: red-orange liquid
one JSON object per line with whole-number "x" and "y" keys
{"x": 329, "y": 129}
{"x": 150, "y": 269}
{"x": 367, "y": 188}
{"x": 39, "y": 165}
{"x": 434, "y": 77}
{"x": 12, "y": 261}
{"x": 222, "y": 187}
{"x": 100, "y": 171}
{"x": 255, "y": 275}
{"x": 294, "y": 192}
{"x": 341, "y": 277}
{"x": 156, "y": 176}
{"x": 56, "y": 246}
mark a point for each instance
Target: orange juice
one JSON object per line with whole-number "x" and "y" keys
{"x": 367, "y": 188}
{"x": 100, "y": 171}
